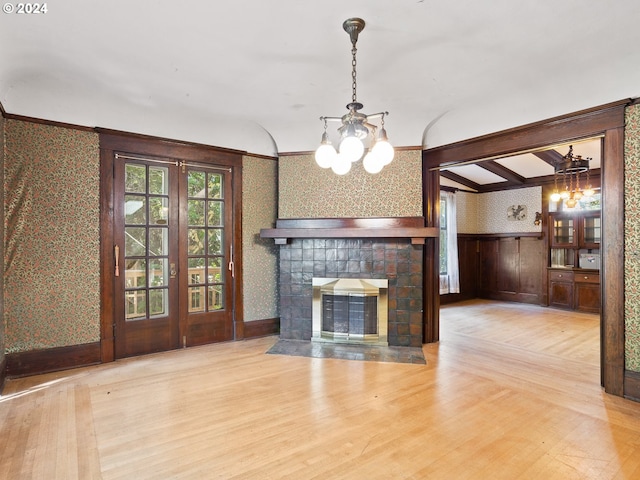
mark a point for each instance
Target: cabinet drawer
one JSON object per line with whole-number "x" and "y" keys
{"x": 560, "y": 276}
{"x": 587, "y": 277}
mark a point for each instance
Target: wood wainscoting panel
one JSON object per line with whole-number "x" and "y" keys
{"x": 632, "y": 385}
{"x": 468, "y": 265}
{"x": 3, "y": 372}
{"x": 512, "y": 268}
{"x": 52, "y": 359}
{"x": 262, "y": 328}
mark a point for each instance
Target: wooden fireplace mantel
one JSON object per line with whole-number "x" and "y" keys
{"x": 369, "y": 227}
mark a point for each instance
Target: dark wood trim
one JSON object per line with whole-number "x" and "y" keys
{"x": 547, "y": 180}
{"x": 632, "y": 385}
{"x": 138, "y": 137}
{"x": 51, "y": 123}
{"x": 612, "y": 273}
{"x": 262, "y": 328}
{"x": 3, "y": 372}
{"x": 431, "y": 267}
{"x": 340, "y": 222}
{"x": 35, "y": 362}
{"x": 417, "y": 235}
{"x": 502, "y": 171}
{"x": 120, "y": 133}
{"x": 454, "y": 177}
{"x": 551, "y": 157}
{"x": 107, "y": 257}
{"x": 449, "y": 298}
{"x": 606, "y": 120}
{"x": 238, "y": 319}
{"x": 263, "y": 157}
{"x": 370, "y": 227}
{"x": 501, "y": 235}
{"x": 583, "y": 124}
{"x": 160, "y": 147}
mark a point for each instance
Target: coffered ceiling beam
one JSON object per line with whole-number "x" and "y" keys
{"x": 502, "y": 171}
{"x": 552, "y": 157}
{"x": 461, "y": 180}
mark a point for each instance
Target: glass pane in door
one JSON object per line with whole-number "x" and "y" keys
{"x": 205, "y": 240}
{"x": 146, "y": 251}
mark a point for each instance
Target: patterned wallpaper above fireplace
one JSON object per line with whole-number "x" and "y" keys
{"x": 308, "y": 191}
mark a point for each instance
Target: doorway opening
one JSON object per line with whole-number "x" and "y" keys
{"x": 606, "y": 122}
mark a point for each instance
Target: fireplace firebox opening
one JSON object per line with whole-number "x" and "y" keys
{"x": 350, "y": 310}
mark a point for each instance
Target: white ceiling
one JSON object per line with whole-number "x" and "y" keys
{"x": 256, "y": 75}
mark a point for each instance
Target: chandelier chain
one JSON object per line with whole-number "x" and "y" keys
{"x": 354, "y": 83}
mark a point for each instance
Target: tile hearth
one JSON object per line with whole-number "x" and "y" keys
{"x": 300, "y": 348}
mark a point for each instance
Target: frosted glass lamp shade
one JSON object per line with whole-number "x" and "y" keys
{"x": 351, "y": 148}
{"x": 384, "y": 151}
{"x": 372, "y": 163}
{"x": 341, "y": 165}
{"x": 325, "y": 155}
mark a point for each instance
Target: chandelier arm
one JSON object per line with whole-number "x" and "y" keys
{"x": 377, "y": 115}
{"x": 331, "y": 119}
{"x": 371, "y": 126}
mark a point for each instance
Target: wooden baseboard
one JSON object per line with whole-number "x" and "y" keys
{"x": 632, "y": 385}
{"x": 447, "y": 298}
{"x": 262, "y": 328}
{"x": 531, "y": 299}
{"x": 3, "y": 372}
{"x": 35, "y": 362}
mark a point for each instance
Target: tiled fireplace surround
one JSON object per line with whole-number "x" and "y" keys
{"x": 398, "y": 260}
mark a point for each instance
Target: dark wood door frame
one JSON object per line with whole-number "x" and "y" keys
{"x": 113, "y": 141}
{"x": 606, "y": 121}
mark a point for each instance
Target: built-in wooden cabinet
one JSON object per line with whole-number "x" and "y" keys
{"x": 573, "y": 237}
{"x": 574, "y": 289}
{"x": 574, "y": 260}
{"x": 561, "y": 288}
{"x": 587, "y": 291}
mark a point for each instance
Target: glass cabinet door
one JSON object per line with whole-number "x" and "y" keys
{"x": 591, "y": 231}
{"x": 563, "y": 232}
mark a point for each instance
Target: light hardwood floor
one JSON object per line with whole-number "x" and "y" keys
{"x": 510, "y": 392}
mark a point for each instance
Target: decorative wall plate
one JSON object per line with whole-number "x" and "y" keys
{"x": 517, "y": 212}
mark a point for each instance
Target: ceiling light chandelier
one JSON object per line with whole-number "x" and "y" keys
{"x": 570, "y": 167}
{"x": 355, "y": 128}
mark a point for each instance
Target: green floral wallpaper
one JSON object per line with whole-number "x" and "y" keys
{"x": 260, "y": 256}
{"x": 308, "y": 191}
{"x": 2, "y": 326}
{"x": 632, "y": 238}
{"x": 52, "y": 235}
